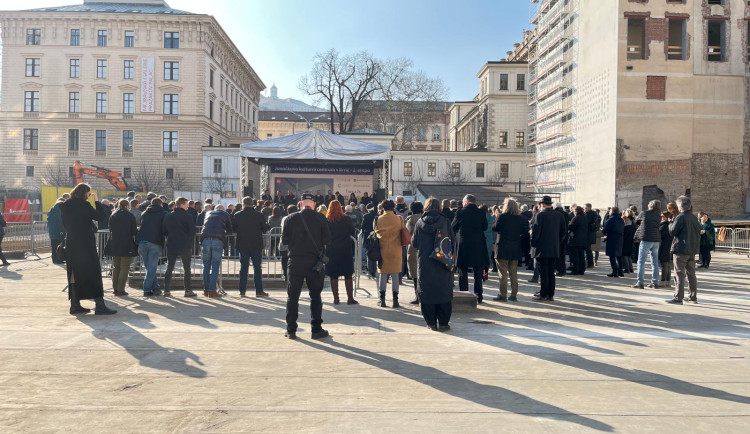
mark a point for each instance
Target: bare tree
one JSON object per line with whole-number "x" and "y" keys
{"x": 412, "y": 182}
{"x": 57, "y": 176}
{"x": 149, "y": 177}
{"x": 496, "y": 178}
{"x": 217, "y": 184}
{"x": 453, "y": 177}
{"x": 178, "y": 181}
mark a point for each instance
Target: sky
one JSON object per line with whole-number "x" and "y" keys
{"x": 449, "y": 39}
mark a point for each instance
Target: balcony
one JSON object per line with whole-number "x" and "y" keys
{"x": 127, "y": 117}
{"x": 100, "y": 153}
{"x": 72, "y": 153}
{"x": 169, "y": 154}
{"x": 30, "y": 115}
{"x": 31, "y": 152}
{"x": 170, "y": 117}
{"x": 73, "y": 115}
{"x": 127, "y": 154}
{"x": 101, "y": 116}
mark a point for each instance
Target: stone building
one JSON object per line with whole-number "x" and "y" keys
{"x": 635, "y": 100}
{"x": 136, "y": 87}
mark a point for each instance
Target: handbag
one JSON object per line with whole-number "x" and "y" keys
{"x": 405, "y": 236}
{"x": 372, "y": 248}
{"x": 442, "y": 250}
{"x": 319, "y": 266}
{"x": 61, "y": 251}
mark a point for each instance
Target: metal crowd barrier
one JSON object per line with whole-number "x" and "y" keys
{"x": 737, "y": 240}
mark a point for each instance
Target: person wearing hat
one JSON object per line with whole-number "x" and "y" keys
{"x": 547, "y": 232}
{"x": 306, "y": 236}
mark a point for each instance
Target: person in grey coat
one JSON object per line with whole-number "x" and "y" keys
{"x": 686, "y": 230}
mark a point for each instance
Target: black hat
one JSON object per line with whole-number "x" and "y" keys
{"x": 308, "y": 196}
{"x": 546, "y": 200}
{"x": 370, "y": 207}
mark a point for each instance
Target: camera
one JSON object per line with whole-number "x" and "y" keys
{"x": 320, "y": 266}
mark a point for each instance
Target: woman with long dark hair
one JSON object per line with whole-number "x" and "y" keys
{"x": 84, "y": 270}
{"x": 340, "y": 252}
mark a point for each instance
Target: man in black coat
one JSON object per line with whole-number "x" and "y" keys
{"x": 564, "y": 243}
{"x": 151, "y": 244}
{"x": 191, "y": 210}
{"x": 306, "y": 235}
{"x": 319, "y": 198}
{"x": 290, "y": 198}
{"x": 368, "y": 222}
{"x": 526, "y": 239}
{"x": 579, "y": 239}
{"x": 179, "y": 227}
{"x": 547, "y": 233}
{"x": 593, "y": 228}
{"x": 469, "y": 225}
{"x": 250, "y": 225}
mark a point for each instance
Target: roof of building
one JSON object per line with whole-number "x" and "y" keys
{"x": 114, "y": 8}
{"x": 293, "y": 116}
{"x": 485, "y": 194}
{"x": 436, "y": 106}
{"x": 369, "y": 131}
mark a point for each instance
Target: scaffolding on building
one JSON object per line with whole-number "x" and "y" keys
{"x": 551, "y": 149}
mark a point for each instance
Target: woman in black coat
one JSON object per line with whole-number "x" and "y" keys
{"x": 121, "y": 245}
{"x": 665, "y": 248}
{"x": 340, "y": 252}
{"x": 510, "y": 227}
{"x": 435, "y": 280}
{"x": 578, "y": 228}
{"x": 3, "y": 224}
{"x": 628, "y": 240}
{"x": 84, "y": 270}
{"x": 613, "y": 229}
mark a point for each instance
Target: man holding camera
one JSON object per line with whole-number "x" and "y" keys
{"x": 306, "y": 235}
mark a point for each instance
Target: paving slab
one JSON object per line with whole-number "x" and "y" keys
{"x": 602, "y": 357}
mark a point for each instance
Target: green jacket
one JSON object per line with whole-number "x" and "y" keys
{"x": 708, "y": 239}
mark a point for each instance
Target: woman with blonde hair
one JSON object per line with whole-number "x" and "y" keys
{"x": 509, "y": 226}
{"x": 340, "y": 252}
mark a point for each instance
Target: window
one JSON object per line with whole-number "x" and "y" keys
{"x": 101, "y": 102}
{"x": 33, "y": 36}
{"x": 73, "y": 138}
{"x": 455, "y": 169}
{"x": 716, "y": 2}
{"x": 74, "y": 102}
{"x": 101, "y": 68}
{"x": 408, "y": 134}
{"x": 31, "y": 101}
{"x": 435, "y": 133}
{"x": 636, "y": 38}
{"x": 421, "y": 134}
{"x": 128, "y": 103}
{"x": 171, "y": 70}
{"x": 129, "y": 38}
{"x": 210, "y": 140}
{"x": 127, "y": 141}
{"x": 269, "y": 135}
{"x": 503, "y": 81}
{"x": 656, "y": 87}
{"x": 75, "y": 68}
{"x": 716, "y": 41}
{"x": 170, "y": 141}
{"x": 504, "y": 170}
{"x": 211, "y": 78}
{"x": 171, "y": 39}
{"x": 101, "y": 140}
{"x": 169, "y": 174}
{"x": 129, "y": 70}
{"x": 30, "y": 139}
{"x": 75, "y": 37}
{"x": 519, "y": 139}
{"x": 171, "y": 104}
{"x": 503, "y": 142}
{"x": 407, "y": 168}
{"x": 211, "y": 110}
{"x": 30, "y": 171}
{"x": 101, "y": 39}
{"x": 520, "y": 81}
{"x": 221, "y": 87}
{"x": 431, "y": 168}
{"x": 33, "y": 67}
{"x": 677, "y": 39}
{"x": 126, "y": 173}
{"x": 480, "y": 170}
{"x": 217, "y": 165}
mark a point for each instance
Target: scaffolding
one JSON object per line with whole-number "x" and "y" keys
{"x": 553, "y": 57}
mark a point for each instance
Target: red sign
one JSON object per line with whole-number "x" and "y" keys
{"x": 17, "y": 211}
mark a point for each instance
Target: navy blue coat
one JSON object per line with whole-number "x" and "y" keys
{"x": 152, "y": 225}
{"x": 122, "y": 229}
{"x": 510, "y": 228}
{"x": 469, "y": 225}
{"x": 179, "y": 228}
{"x": 614, "y": 230}
{"x": 54, "y": 223}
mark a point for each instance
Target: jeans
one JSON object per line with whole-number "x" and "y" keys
{"x": 150, "y": 252}
{"x": 294, "y": 288}
{"x": 211, "y": 251}
{"x": 383, "y": 282}
{"x": 463, "y": 280}
{"x": 185, "y": 256}
{"x": 120, "y": 270}
{"x": 652, "y": 249}
{"x": 684, "y": 265}
{"x": 245, "y": 257}
{"x": 547, "y": 276}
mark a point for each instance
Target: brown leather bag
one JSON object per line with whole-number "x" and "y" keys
{"x": 405, "y": 236}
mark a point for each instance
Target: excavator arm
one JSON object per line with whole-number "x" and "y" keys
{"x": 114, "y": 178}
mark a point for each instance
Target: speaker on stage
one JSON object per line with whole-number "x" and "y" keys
{"x": 248, "y": 190}
{"x": 379, "y": 194}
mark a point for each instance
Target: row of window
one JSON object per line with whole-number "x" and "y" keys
{"x": 34, "y": 69}
{"x": 421, "y": 133}
{"x": 170, "y": 140}
{"x": 520, "y": 139}
{"x": 455, "y": 169}
{"x": 127, "y": 172}
{"x": 170, "y": 106}
{"x": 34, "y": 37}
{"x": 520, "y": 81}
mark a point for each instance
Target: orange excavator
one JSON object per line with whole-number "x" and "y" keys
{"x": 114, "y": 178}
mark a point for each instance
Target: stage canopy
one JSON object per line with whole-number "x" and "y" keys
{"x": 315, "y": 145}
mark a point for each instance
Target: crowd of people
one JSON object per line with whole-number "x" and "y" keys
{"x": 430, "y": 244}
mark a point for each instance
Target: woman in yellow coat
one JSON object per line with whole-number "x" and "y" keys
{"x": 388, "y": 230}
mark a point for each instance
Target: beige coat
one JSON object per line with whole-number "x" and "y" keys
{"x": 411, "y": 252}
{"x": 388, "y": 230}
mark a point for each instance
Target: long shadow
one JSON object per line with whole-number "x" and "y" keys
{"x": 486, "y": 395}
{"x": 146, "y": 351}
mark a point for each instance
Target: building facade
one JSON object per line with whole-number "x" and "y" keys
{"x": 136, "y": 87}
{"x": 653, "y": 109}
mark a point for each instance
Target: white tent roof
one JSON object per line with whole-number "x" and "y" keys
{"x": 315, "y": 145}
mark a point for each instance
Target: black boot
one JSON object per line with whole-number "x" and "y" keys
{"x": 101, "y": 308}
{"x": 416, "y": 294}
{"x": 395, "y": 300}
{"x": 75, "y": 304}
{"x": 381, "y": 302}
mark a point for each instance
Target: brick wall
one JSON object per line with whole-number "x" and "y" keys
{"x": 656, "y": 87}
{"x": 656, "y": 29}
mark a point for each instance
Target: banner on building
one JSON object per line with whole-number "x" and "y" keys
{"x": 17, "y": 211}
{"x": 147, "y": 85}
{"x": 301, "y": 178}
{"x": 328, "y": 169}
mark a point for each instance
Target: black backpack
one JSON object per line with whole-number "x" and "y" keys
{"x": 372, "y": 247}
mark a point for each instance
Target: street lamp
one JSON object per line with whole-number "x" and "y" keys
{"x": 308, "y": 121}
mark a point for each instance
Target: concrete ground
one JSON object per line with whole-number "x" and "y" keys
{"x": 602, "y": 357}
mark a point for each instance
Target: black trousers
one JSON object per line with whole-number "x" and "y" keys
{"x": 616, "y": 263}
{"x": 589, "y": 256}
{"x": 185, "y": 256}
{"x": 437, "y": 314}
{"x": 547, "y": 276}
{"x": 578, "y": 259}
{"x": 705, "y": 254}
{"x": 463, "y": 280}
{"x": 53, "y": 245}
{"x": 561, "y": 260}
{"x": 294, "y": 289}
{"x": 2, "y": 257}
{"x": 284, "y": 262}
